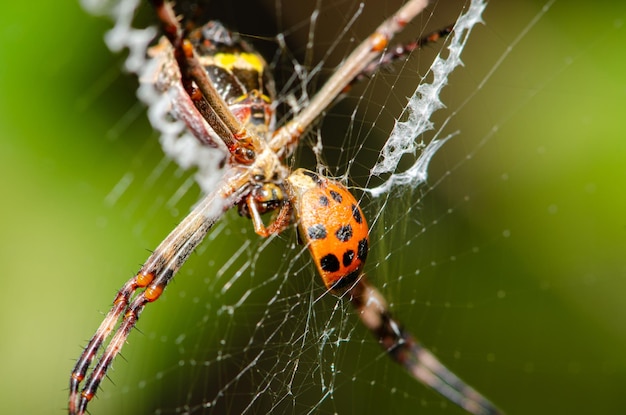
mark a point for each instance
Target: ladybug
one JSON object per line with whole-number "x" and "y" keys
{"x": 332, "y": 225}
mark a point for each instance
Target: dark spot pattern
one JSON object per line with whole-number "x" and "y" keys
{"x": 348, "y": 257}
{"x": 346, "y": 281}
{"x": 363, "y": 248}
{"x": 356, "y": 214}
{"x": 323, "y": 201}
{"x": 336, "y": 196}
{"x": 329, "y": 263}
{"x": 344, "y": 233}
{"x": 317, "y": 231}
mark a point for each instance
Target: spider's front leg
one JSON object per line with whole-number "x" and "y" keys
{"x": 106, "y": 327}
{"x": 284, "y": 140}
{"x": 153, "y": 278}
{"x": 400, "y": 52}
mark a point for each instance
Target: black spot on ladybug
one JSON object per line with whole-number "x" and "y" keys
{"x": 317, "y": 231}
{"x": 313, "y": 176}
{"x": 346, "y": 281}
{"x": 336, "y": 196}
{"x": 323, "y": 201}
{"x": 344, "y": 233}
{"x": 348, "y": 256}
{"x": 329, "y": 263}
{"x": 356, "y": 214}
{"x": 363, "y": 248}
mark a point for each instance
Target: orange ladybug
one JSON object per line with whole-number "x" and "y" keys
{"x": 333, "y": 226}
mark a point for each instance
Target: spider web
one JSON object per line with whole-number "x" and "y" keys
{"x": 247, "y": 326}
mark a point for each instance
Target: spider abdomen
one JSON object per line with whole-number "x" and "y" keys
{"x": 239, "y": 74}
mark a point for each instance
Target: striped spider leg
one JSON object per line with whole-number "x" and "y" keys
{"x": 257, "y": 181}
{"x": 403, "y": 348}
{"x": 153, "y": 277}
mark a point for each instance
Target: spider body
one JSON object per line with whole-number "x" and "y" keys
{"x": 241, "y": 78}
{"x": 332, "y": 225}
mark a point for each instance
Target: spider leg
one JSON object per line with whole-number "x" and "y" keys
{"x": 166, "y": 78}
{"x": 406, "y": 350}
{"x": 279, "y": 224}
{"x": 106, "y": 327}
{"x": 400, "y": 52}
{"x": 284, "y": 140}
{"x": 154, "y": 276}
{"x": 241, "y": 143}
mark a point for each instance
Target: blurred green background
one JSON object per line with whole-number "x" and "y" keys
{"x": 520, "y": 286}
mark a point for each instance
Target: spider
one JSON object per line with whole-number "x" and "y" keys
{"x": 224, "y": 95}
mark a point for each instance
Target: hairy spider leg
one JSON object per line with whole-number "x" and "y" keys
{"x": 285, "y": 139}
{"x": 153, "y": 277}
{"x": 400, "y": 52}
